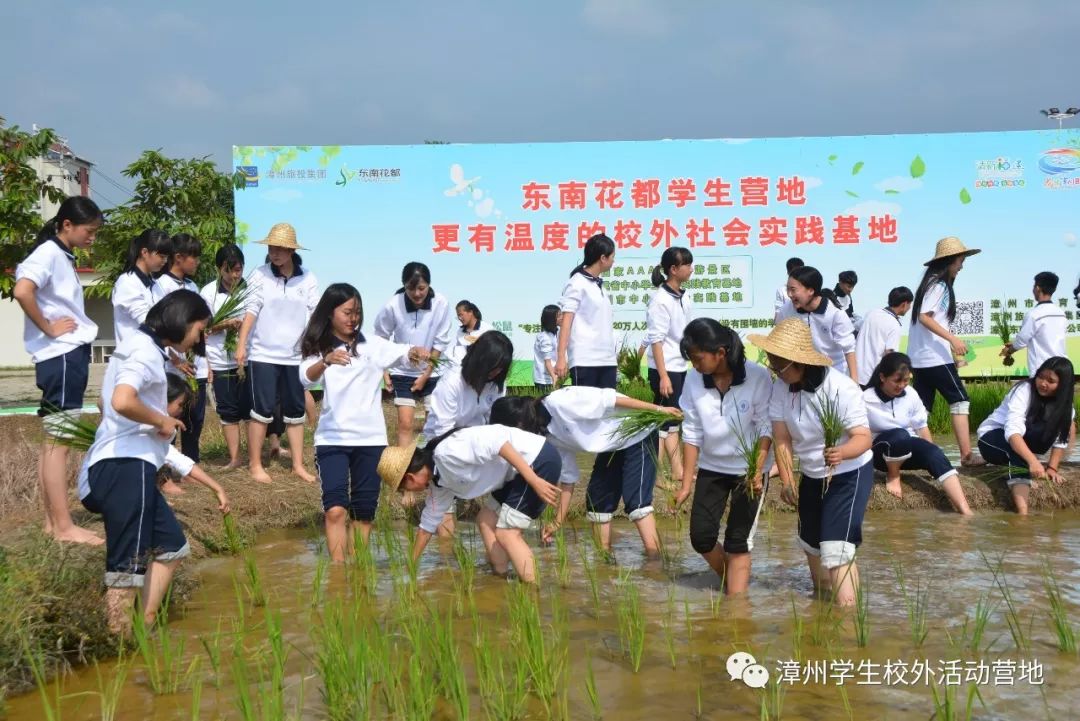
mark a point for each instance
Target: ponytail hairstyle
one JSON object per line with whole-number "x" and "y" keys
{"x": 709, "y": 336}
{"x": 152, "y": 241}
{"x": 793, "y": 263}
{"x": 77, "y": 210}
{"x": 936, "y": 270}
{"x": 171, "y": 316}
{"x": 596, "y": 247}
{"x": 890, "y": 365}
{"x": 549, "y": 319}
{"x": 1056, "y": 413}
{"x": 412, "y": 275}
{"x": 491, "y": 352}
{"x": 674, "y": 255}
{"x": 528, "y": 414}
{"x": 471, "y": 307}
{"x": 318, "y": 337}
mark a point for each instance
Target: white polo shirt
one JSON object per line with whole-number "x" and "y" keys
{"x": 463, "y": 339}
{"x": 545, "y": 347}
{"x": 352, "y": 399}
{"x": 219, "y": 360}
{"x": 906, "y": 411}
{"x": 1011, "y": 414}
{"x": 665, "y": 319}
{"x": 926, "y": 349}
{"x": 455, "y": 404}
{"x": 169, "y": 283}
{"x": 468, "y": 465}
{"x": 592, "y": 338}
{"x": 424, "y": 326}
{"x": 779, "y": 300}
{"x": 880, "y": 332}
{"x": 713, "y": 421}
{"x": 798, "y": 411}
{"x": 51, "y": 267}
{"x": 133, "y": 295}
{"x": 1043, "y": 334}
{"x": 830, "y": 328}
{"x": 281, "y": 307}
{"x": 138, "y": 362}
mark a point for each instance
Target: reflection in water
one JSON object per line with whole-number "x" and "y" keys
{"x": 688, "y": 620}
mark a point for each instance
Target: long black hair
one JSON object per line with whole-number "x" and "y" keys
{"x": 151, "y": 240}
{"x": 229, "y": 256}
{"x": 177, "y": 387}
{"x": 471, "y": 307}
{"x": 889, "y": 365}
{"x": 318, "y": 337}
{"x": 675, "y": 255}
{"x": 171, "y": 316}
{"x": 936, "y": 270}
{"x": 709, "y": 336}
{"x": 492, "y": 351}
{"x": 549, "y": 319}
{"x": 1056, "y": 413}
{"x": 596, "y": 247}
{"x": 810, "y": 277}
{"x": 528, "y": 414}
{"x": 412, "y": 274}
{"x": 77, "y": 210}
{"x": 186, "y": 244}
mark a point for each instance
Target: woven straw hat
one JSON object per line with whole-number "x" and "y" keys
{"x": 948, "y": 247}
{"x": 393, "y": 463}
{"x": 282, "y": 235}
{"x": 791, "y": 339}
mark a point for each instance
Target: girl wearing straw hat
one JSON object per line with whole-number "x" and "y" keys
{"x": 819, "y": 414}
{"x": 282, "y": 298}
{"x": 514, "y": 471}
{"x": 829, "y": 326}
{"x": 933, "y": 349}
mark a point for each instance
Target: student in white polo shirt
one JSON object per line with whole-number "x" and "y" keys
{"x": 781, "y": 292}
{"x": 136, "y": 290}
{"x": 901, "y": 436}
{"x": 282, "y": 297}
{"x": 586, "y": 338}
{"x": 667, "y": 314}
{"x": 829, "y": 326}
{"x": 835, "y": 482}
{"x": 1044, "y": 327}
{"x": 880, "y": 333}
{"x": 185, "y": 263}
{"x": 725, "y": 405}
{"x": 351, "y": 433}
{"x": 472, "y": 327}
{"x": 514, "y": 471}
{"x": 129, "y": 447}
{"x": 418, "y": 316}
{"x": 57, "y": 334}
{"x": 231, "y": 402}
{"x": 545, "y": 349}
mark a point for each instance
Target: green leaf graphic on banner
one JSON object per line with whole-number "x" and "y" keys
{"x": 857, "y": 167}
{"x": 965, "y": 196}
{"x": 832, "y": 158}
{"x": 852, "y": 193}
{"x": 892, "y": 192}
{"x": 918, "y": 167}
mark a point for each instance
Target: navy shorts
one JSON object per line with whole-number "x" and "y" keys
{"x": 230, "y": 397}
{"x": 403, "y": 392}
{"x": 830, "y": 522}
{"x": 678, "y": 379}
{"x": 270, "y": 384}
{"x": 62, "y": 380}
{"x": 941, "y": 379}
{"x": 711, "y": 492}
{"x": 917, "y": 454}
{"x": 594, "y": 376}
{"x": 629, "y": 474}
{"x": 996, "y": 450}
{"x": 349, "y": 478}
{"x": 192, "y": 417}
{"x": 139, "y": 525}
{"x": 518, "y": 495}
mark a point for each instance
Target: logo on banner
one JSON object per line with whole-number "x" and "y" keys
{"x": 251, "y": 175}
{"x": 1000, "y": 172}
{"x": 1062, "y": 167}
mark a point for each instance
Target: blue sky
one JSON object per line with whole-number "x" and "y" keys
{"x": 195, "y": 78}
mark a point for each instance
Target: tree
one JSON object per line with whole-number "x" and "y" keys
{"x": 21, "y": 192}
{"x": 177, "y": 196}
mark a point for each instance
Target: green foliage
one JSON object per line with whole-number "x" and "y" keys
{"x": 20, "y": 194}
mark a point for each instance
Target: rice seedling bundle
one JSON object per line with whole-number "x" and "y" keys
{"x": 749, "y": 448}
{"x": 637, "y": 422}
{"x": 628, "y": 362}
{"x": 1003, "y": 330}
{"x": 832, "y": 426}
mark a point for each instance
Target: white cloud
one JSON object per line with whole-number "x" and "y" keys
{"x": 901, "y": 183}
{"x": 281, "y": 195}
{"x": 812, "y": 182}
{"x": 873, "y": 207}
{"x": 631, "y": 17}
{"x": 185, "y": 92}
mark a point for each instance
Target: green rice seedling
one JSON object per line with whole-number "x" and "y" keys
{"x": 466, "y": 563}
{"x": 196, "y": 699}
{"x": 234, "y": 542}
{"x": 716, "y": 600}
{"x": 279, "y": 655}
{"x": 1012, "y": 614}
{"x": 421, "y": 691}
{"x": 700, "y": 711}
{"x": 669, "y": 638}
{"x": 212, "y": 646}
{"x": 344, "y": 662}
{"x": 111, "y": 684}
{"x": 543, "y": 647}
{"x": 162, "y": 653}
{"x": 76, "y": 433}
{"x": 1003, "y": 331}
{"x": 947, "y": 706}
{"x": 50, "y": 703}
{"x": 451, "y": 673}
{"x": 628, "y": 361}
{"x": 440, "y": 364}
{"x": 862, "y": 614}
{"x": 796, "y": 632}
{"x": 1059, "y": 613}
{"x": 590, "y": 688}
{"x": 318, "y": 581}
{"x": 253, "y": 582}
{"x": 825, "y": 626}
{"x": 232, "y": 308}
{"x": 916, "y": 602}
{"x": 832, "y": 426}
{"x": 246, "y": 702}
{"x": 688, "y": 620}
{"x": 503, "y": 680}
{"x": 562, "y": 559}
{"x": 590, "y": 576}
{"x": 634, "y": 422}
{"x": 749, "y": 449}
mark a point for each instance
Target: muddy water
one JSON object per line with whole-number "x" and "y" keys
{"x": 686, "y": 619}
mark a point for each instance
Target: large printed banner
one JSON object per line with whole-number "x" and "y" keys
{"x": 503, "y": 225}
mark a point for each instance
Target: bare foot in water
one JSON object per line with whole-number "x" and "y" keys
{"x": 259, "y": 475}
{"x": 892, "y": 485}
{"x": 78, "y": 535}
{"x": 303, "y": 473}
{"x": 170, "y": 488}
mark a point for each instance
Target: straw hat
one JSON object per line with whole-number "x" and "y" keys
{"x": 393, "y": 463}
{"x": 282, "y": 235}
{"x": 791, "y": 339}
{"x": 949, "y": 247}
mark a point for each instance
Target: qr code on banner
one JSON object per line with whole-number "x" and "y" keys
{"x": 969, "y": 319}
